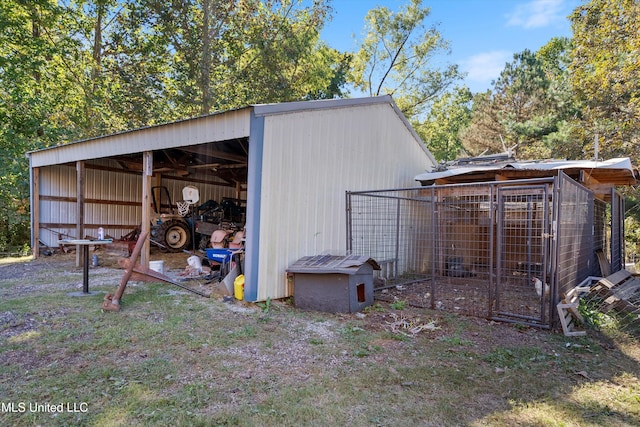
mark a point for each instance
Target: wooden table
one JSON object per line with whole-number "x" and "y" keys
{"x": 85, "y": 243}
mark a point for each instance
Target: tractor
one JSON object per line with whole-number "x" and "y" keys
{"x": 169, "y": 229}
{"x": 175, "y": 228}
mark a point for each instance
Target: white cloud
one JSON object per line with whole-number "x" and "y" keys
{"x": 486, "y": 66}
{"x": 537, "y": 14}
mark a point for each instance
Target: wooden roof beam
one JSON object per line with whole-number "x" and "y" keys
{"x": 601, "y": 188}
{"x": 586, "y": 178}
{"x": 205, "y": 151}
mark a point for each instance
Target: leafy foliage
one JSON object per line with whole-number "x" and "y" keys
{"x": 605, "y": 73}
{"x": 397, "y": 58}
{"x": 34, "y": 109}
{"x": 449, "y": 114}
{"x": 484, "y": 130}
{"x": 73, "y": 69}
{"x": 531, "y": 108}
{"x": 222, "y": 55}
{"x": 81, "y": 68}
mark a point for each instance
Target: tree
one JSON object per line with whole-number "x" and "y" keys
{"x": 441, "y": 129}
{"x": 397, "y": 58}
{"x": 226, "y": 54}
{"x": 521, "y": 98}
{"x": 485, "y": 131}
{"x": 34, "y": 107}
{"x": 605, "y": 74}
{"x": 143, "y": 62}
{"x": 280, "y": 56}
{"x": 73, "y": 69}
{"x": 531, "y": 107}
{"x": 565, "y": 139}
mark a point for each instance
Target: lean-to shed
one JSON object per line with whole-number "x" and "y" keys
{"x": 290, "y": 163}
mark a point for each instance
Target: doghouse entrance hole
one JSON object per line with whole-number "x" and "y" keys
{"x": 360, "y": 292}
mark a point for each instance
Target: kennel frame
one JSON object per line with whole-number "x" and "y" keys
{"x": 405, "y": 231}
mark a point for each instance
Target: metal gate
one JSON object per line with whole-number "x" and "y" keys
{"x": 522, "y": 270}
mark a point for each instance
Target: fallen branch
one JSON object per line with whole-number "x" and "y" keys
{"x": 409, "y": 327}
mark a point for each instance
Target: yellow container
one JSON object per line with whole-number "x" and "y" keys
{"x": 238, "y": 287}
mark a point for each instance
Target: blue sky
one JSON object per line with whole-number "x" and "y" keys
{"x": 483, "y": 34}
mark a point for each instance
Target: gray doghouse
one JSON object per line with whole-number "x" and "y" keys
{"x": 332, "y": 283}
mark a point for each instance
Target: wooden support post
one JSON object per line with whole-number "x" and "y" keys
{"x": 147, "y": 174}
{"x": 35, "y": 212}
{"x": 80, "y": 181}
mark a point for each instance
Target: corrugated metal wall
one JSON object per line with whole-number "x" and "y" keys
{"x": 310, "y": 159}
{"x": 113, "y": 200}
{"x": 215, "y": 127}
{"x": 57, "y": 204}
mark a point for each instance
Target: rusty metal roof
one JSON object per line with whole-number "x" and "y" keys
{"x": 599, "y": 176}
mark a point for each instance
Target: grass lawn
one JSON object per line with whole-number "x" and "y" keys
{"x": 174, "y": 358}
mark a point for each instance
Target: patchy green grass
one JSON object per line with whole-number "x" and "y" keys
{"x": 173, "y": 358}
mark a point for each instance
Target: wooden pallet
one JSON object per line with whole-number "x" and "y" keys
{"x": 616, "y": 290}
{"x": 570, "y": 317}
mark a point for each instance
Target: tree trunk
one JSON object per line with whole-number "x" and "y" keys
{"x": 205, "y": 60}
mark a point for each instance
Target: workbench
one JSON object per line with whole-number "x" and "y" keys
{"x": 84, "y": 244}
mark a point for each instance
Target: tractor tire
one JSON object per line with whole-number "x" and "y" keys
{"x": 175, "y": 235}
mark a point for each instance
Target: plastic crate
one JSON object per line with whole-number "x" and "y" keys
{"x": 219, "y": 255}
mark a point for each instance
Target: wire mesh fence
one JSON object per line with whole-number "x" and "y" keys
{"x": 501, "y": 250}
{"x": 613, "y": 302}
{"x": 575, "y": 225}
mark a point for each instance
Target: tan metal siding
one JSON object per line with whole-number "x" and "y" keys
{"x": 57, "y": 181}
{"x": 58, "y": 202}
{"x": 220, "y": 127}
{"x": 310, "y": 160}
{"x": 120, "y": 196}
{"x": 112, "y": 188}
